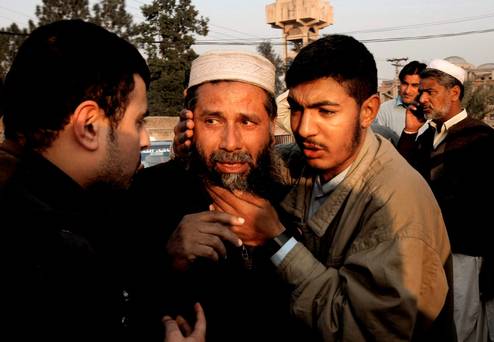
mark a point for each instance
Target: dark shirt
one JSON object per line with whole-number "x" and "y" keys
{"x": 241, "y": 303}
{"x": 61, "y": 271}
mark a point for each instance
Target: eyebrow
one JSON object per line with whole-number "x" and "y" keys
{"x": 209, "y": 113}
{"x": 249, "y": 116}
{"x": 313, "y": 105}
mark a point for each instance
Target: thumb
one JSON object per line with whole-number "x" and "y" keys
{"x": 171, "y": 327}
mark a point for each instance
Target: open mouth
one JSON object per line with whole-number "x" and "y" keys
{"x": 312, "y": 150}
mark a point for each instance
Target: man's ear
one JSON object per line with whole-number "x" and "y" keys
{"x": 272, "y": 130}
{"x": 368, "y": 110}
{"x": 86, "y": 123}
{"x": 455, "y": 93}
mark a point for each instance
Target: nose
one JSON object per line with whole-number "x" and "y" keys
{"x": 231, "y": 138}
{"x": 305, "y": 125}
{"x": 144, "y": 140}
{"x": 424, "y": 98}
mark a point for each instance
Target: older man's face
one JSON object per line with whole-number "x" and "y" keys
{"x": 232, "y": 131}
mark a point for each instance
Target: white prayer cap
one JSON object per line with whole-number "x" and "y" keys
{"x": 233, "y": 66}
{"x": 448, "y": 68}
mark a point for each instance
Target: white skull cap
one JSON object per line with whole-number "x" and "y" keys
{"x": 448, "y": 68}
{"x": 233, "y": 66}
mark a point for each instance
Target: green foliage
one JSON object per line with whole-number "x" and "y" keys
{"x": 166, "y": 37}
{"x": 266, "y": 49}
{"x": 9, "y": 43}
{"x": 53, "y": 10}
{"x": 479, "y": 99}
{"x": 112, "y": 15}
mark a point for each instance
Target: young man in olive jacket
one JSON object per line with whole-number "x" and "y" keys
{"x": 373, "y": 261}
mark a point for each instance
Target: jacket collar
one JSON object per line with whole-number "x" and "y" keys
{"x": 297, "y": 201}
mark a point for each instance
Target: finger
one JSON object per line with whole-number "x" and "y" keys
{"x": 200, "y": 326}
{"x": 236, "y": 199}
{"x": 171, "y": 328}
{"x": 224, "y": 233}
{"x": 183, "y": 325}
{"x": 250, "y": 198}
{"x": 186, "y": 114}
{"x": 206, "y": 251}
{"x": 189, "y": 124}
{"x": 221, "y": 217}
{"x": 180, "y": 127}
{"x": 221, "y": 199}
{"x": 214, "y": 242}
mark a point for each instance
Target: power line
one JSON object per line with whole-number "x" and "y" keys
{"x": 433, "y": 23}
{"x": 375, "y": 40}
{"x": 17, "y": 12}
{"x": 7, "y": 33}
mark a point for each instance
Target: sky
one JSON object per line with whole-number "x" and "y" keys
{"x": 244, "y": 21}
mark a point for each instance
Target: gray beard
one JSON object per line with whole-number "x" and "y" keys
{"x": 257, "y": 180}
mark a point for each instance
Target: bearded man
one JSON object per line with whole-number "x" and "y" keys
{"x": 232, "y": 97}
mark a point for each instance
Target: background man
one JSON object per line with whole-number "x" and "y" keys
{"x": 75, "y": 97}
{"x": 392, "y": 113}
{"x": 455, "y": 156}
{"x": 366, "y": 266}
{"x": 231, "y": 95}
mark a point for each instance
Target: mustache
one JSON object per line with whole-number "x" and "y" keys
{"x": 312, "y": 143}
{"x": 231, "y": 157}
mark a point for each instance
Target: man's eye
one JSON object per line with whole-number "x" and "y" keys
{"x": 141, "y": 122}
{"x": 211, "y": 121}
{"x": 325, "y": 111}
{"x": 248, "y": 122}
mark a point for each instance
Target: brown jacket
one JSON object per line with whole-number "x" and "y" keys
{"x": 374, "y": 263}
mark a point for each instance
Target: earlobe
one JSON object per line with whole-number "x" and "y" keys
{"x": 368, "y": 110}
{"x": 86, "y": 124}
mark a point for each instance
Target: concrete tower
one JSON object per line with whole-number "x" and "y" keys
{"x": 300, "y": 20}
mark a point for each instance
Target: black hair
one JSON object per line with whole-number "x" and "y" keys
{"x": 443, "y": 79}
{"x": 61, "y": 65}
{"x": 190, "y": 100}
{"x": 340, "y": 57}
{"x": 412, "y": 68}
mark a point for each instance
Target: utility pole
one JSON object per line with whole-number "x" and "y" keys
{"x": 397, "y": 63}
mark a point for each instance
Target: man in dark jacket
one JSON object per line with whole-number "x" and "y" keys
{"x": 75, "y": 97}
{"x": 455, "y": 156}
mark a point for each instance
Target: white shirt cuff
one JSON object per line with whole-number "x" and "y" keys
{"x": 278, "y": 257}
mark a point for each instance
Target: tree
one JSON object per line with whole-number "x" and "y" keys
{"x": 53, "y": 10}
{"x": 266, "y": 49}
{"x": 479, "y": 99}
{"x": 10, "y": 40}
{"x": 166, "y": 37}
{"x": 112, "y": 15}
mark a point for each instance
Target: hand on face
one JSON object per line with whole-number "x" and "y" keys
{"x": 184, "y": 130}
{"x": 202, "y": 235}
{"x": 261, "y": 220}
{"x": 412, "y": 121}
{"x": 178, "y": 330}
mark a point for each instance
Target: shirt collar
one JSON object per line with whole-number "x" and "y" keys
{"x": 399, "y": 102}
{"x": 453, "y": 121}
{"x": 321, "y": 190}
